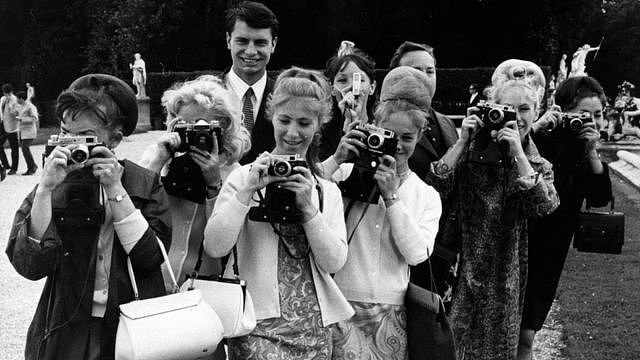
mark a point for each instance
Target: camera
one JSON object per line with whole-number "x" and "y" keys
{"x": 199, "y": 134}
{"x": 493, "y": 115}
{"x": 279, "y": 204}
{"x": 378, "y": 142}
{"x": 356, "y": 84}
{"x": 574, "y": 121}
{"x": 282, "y": 165}
{"x": 80, "y": 154}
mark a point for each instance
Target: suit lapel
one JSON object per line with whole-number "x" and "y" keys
{"x": 447, "y": 128}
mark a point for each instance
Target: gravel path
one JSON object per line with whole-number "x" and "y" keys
{"x": 19, "y": 296}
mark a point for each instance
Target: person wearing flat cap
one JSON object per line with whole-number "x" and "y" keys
{"x": 396, "y": 231}
{"x": 83, "y": 220}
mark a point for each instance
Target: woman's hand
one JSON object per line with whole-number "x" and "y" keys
{"x": 591, "y": 136}
{"x": 349, "y": 106}
{"x": 209, "y": 163}
{"x": 387, "y": 177}
{"x": 56, "y": 168}
{"x": 106, "y": 168}
{"x": 350, "y": 145}
{"x": 548, "y": 121}
{"x": 302, "y": 185}
{"x": 167, "y": 145}
{"x": 510, "y": 134}
{"x": 470, "y": 125}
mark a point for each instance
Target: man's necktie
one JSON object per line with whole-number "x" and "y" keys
{"x": 247, "y": 110}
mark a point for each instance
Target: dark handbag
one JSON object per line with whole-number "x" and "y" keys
{"x": 429, "y": 335}
{"x": 600, "y": 231}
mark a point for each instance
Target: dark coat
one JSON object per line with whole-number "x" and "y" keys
{"x": 262, "y": 138}
{"x": 69, "y": 264}
{"x": 445, "y": 251}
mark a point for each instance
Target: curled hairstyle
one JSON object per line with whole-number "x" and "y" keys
{"x": 255, "y": 14}
{"x": 208, "y": 92}
{"x": 523, "y": 70}
{"x": 572, "y": 90}
{"x": 310, "y": 85}
{"x": 76, "y": 102}
{"x": 406, "y": 47}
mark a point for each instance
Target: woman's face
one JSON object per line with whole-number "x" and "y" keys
{"x": 88, "y": 123}
{"x": 343, "y": 80}
{"x": 526, "y": 111}
{"x": 592, "y": 106}
{"x": 407, "y": 134}
{"x": 294, "y": 125}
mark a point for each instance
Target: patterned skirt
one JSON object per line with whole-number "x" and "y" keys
{"x": 298, "y": 332}
{"x": 375, "y": 332}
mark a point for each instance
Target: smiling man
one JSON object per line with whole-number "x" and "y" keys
{"x": 252, "y": 33}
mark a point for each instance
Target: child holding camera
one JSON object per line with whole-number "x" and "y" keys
{"x": 203, "y": 101}
{"x": 82, "y": 222}
{"x": 495, "y": 201}
{"x": 286, "y": 264}
{"x": 396, "y": 230}
{"x": 569, "y": 140}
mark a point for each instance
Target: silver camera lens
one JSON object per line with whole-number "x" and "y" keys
{"x": 495, "y": 116}
{"x": 576, "y": 124}
{"x": 80, "y": 154}
{"x": 375, "y": 141}
{"x": 281, "y": 168}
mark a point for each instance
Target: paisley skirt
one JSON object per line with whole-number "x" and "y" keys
{"x": 298, "y": 332}
{"x": 375, "y": 332}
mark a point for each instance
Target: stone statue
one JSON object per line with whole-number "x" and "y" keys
{"x": 578, "y": 66}
{"x": 562, "y": 69}
{"x": 139, "y": 76}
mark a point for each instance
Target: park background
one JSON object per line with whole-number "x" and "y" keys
{"x": 50, "y": 43}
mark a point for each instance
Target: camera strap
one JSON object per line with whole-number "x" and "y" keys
{"x": 373, "y": 193}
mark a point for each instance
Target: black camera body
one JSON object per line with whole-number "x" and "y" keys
{"x": 495, "y": 116}
{"x": 199, "y": 135}
{"x": 573, "y": 121}
{"x": 279, "y": 205}
{"x": 378, "y": 142}
{"x": 282, "y": 165}
{"x": 80, "y": 154}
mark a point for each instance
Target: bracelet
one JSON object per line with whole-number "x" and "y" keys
{"x": 216, "y": 187}
{"x": 531, "y": 177}
{"x": 393, "y": 196}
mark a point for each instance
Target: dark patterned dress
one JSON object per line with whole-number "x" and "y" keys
{"x": 298, "y": 332}
{"x": 493, "y": 209}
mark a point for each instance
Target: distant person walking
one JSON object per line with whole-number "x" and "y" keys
{"x": 28, "y": 118}
{"x": 31, "y": 92}
{"x": 8, "y": 113}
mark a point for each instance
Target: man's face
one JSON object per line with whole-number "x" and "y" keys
{"x": 423, "y": 61}
{"x": 250, "y": 48}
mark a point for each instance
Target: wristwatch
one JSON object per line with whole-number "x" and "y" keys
{"x": 118, "y": 198}
{"x": 393, "y": 196}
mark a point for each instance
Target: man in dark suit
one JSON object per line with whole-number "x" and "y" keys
{"x": 439, "y": 134}
{"x": 252, "y": 34}
{"x": 474, "y": 96}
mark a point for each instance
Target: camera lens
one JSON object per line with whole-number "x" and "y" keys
{"x": 575, "y": 124}
{"x": 374, "y": 141}
{"x": 80, "y": 154}
{"x": 281, "y": 168}
{"x": 495, "y": 116}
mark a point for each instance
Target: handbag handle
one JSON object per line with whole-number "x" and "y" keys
{"x": 611, "y": 208}
{"x": 134, "y": 285}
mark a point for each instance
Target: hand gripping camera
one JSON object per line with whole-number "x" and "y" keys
{"x": 80, "y": 154}
{"x": 495, "y": 116}
{"x": 199, "y": 135}
{"x": 379, "y": 142}
{"x": 279, "y": 205}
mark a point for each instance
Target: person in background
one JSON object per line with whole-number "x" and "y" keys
{"x": 397, "y": 231}
{"x": 252, "y": 35}
{"x": 28, "y": 118}
{"x": 10, "y": 128}
{"x": 579, "y": 175}
{"x": 287, "y": 265}
{"x": 498, "y": 200}
{"x": 474, "y": 96}
{"x": 86, "y": 266}
{"x": 31, "y": 92}
{"x": 347, "y": 107}
{"x": 438, "y": 135}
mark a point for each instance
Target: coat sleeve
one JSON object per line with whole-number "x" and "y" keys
{"x": 542, "y": 198}
{"x": 598, "y": 188}
{"x": 33, "y": 259}
{"x": 145, "y": 255}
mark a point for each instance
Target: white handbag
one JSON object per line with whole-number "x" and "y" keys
{"x": 229, "y": 298}
{"x": 171, "y": 327}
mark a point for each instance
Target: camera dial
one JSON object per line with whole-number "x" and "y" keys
{"x": 281, "y": 168}
{"x": 80, "y": 154}
{"x": 495, "y": 116}
{"x": 576, "y": 124}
